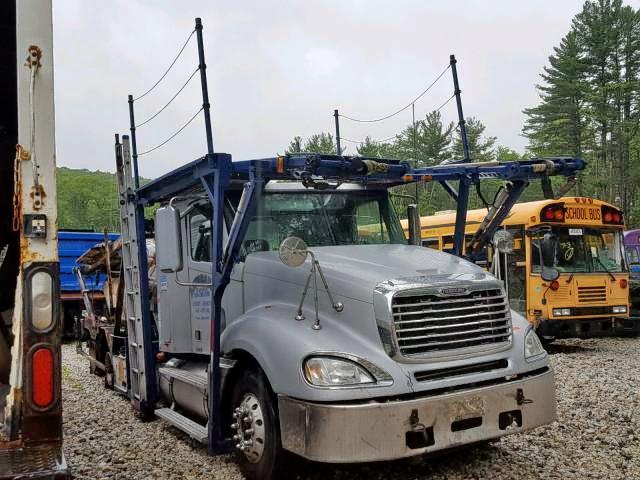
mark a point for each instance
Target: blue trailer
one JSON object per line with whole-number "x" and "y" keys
{"x": 72, "y": 244}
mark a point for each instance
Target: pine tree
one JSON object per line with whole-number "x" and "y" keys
{"x": 428, "y": 143}
{"x": 559, "y": 124}
{"x": 480, "y": 145}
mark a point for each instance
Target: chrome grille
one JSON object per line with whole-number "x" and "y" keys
{"x": 597, "y": 293}
{"x": 427, "y": 323}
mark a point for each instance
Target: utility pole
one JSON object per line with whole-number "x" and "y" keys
{"x": 336, "y": 116}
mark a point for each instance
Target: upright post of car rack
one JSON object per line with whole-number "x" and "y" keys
{"x": 141, "y": 372}
{"x": 215, "y": 184}
{"x": 465, "y": 183}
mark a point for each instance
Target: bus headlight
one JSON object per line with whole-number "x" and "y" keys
{"x": 561, "y": 312}
{"x": 335, "y": 372}
{"x": 619, "y": 309}
{"x": 532, "y": 345}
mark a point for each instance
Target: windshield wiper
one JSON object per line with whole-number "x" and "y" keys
{"x": 605, "y": 268}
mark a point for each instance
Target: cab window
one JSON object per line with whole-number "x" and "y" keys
{"x": 200, "y": 233}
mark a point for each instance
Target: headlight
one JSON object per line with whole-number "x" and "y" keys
{"x": 329, "y": 372}
{"x": 532, "y": 345}
{"x": 561, "y": 312}
{"x": 620, "y": 309}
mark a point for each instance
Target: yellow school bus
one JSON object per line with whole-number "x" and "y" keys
{"x": 578, "y": 243}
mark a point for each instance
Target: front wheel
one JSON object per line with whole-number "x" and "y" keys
{"x": 255, "y": 427}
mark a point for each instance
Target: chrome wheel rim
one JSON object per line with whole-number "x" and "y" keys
{"x": 249, "y": 428}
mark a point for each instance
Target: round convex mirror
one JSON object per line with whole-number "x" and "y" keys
{"x": 549, "y": 274}
{"x": 293, "y": 251}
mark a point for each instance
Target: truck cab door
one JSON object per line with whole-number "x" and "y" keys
{"x": 198, "y": 230}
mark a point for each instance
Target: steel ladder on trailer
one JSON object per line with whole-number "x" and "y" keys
{"x": 141, "y": 389}
{"x": 132, "y": 298}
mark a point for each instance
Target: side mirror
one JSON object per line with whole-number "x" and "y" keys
{"x": 168, "y": 239}
{"x": 549, "y": 274}
{"x": 548, "y": 248}
{"x": 503, "y": 241}
{"x": 415, "y": 230}
{"x": 293, "y": 251}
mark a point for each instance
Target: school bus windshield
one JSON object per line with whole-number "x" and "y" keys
{"x": 575, "y": 250}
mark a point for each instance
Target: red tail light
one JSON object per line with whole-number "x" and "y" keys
{"x": 42, "y": 366}
{"x": 554, "y": 285}
{"x": 623, "y": 283}
{"x": 612, "y": 215}
{"x": 553, "y": 213}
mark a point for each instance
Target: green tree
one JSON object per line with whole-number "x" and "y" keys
{"x": 318, "y": 143}
{"x": 480, "y": 145}
{"x": 428, "y": 143}
{"x": 371, "y": 148}
{"x": 559, "y": 124}
{"x": 506, "y": 154}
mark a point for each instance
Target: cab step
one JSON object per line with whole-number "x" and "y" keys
{"x": 194, "y": 430}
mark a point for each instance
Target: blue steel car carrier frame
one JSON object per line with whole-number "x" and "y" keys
{"x": 215, "y": 173}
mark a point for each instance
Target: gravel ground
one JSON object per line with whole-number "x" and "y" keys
{"x": 597, "y": 434}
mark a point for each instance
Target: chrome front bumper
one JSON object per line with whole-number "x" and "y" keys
{"x": 365, "y": 432}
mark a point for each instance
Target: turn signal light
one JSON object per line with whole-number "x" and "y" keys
{"x": 554, "y": 285}
{"x": 42, "y": 371}
{"x": 623, "y": 283}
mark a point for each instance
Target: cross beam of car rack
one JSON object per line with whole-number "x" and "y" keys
{"x": 310, "y": 167}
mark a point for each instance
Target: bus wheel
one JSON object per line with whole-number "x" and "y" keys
{"x": 255, "y": 427}
{"x": 108, "y": 372}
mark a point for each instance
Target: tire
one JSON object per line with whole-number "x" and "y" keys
{"x": 91, "y": 346}
{"x": 108, "y": 372}
{"x": 265, "y": 458}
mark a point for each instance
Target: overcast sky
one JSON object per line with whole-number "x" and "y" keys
{"x": 278, "y": 69}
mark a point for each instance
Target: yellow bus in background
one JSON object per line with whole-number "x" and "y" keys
{"x": 578, "y": 243}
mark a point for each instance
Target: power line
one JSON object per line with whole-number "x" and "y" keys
{"x": 445, "y": 103}
{"x": 168, "y": 69}
{"x": 172, "y": 99}
{"x": 394, "y": 136}
{"x": 172, "y": 136}
{"x": 403, "y": 108}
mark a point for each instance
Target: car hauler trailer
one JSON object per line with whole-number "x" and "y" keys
{"x": 372, "y": 349}
{"x": 30, "y": 327}
{"x": 72, "y": 244}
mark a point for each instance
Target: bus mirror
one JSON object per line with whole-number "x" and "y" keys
{"x": 168, "y": 239}
{"x": 548, "y": 249}
{"x": 415, "y": 230}
{"x": 503, "y": 241}
{"x": 549, "y": 274}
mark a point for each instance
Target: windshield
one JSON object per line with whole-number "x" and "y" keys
{"x": 324, "y": 218}
{"x": 633, "y": 255}
{"x": 575, "y": 250}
